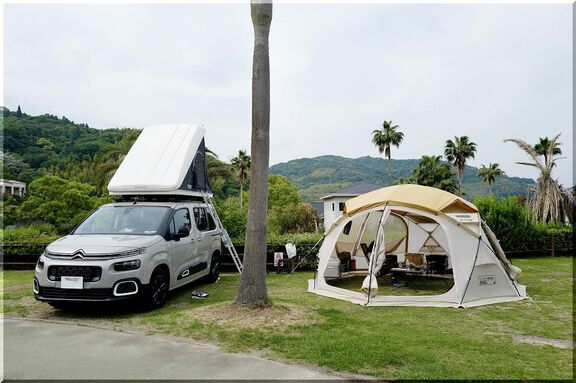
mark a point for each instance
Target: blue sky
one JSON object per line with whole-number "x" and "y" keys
{"x": 337, "y": 71}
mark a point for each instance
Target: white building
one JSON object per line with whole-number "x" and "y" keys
{"x": 334, "y": 202}
{"x": 11, "y": 187}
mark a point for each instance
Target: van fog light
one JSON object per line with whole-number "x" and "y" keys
{"x": 128, "y": 265}
{"x": 125, "y": 288}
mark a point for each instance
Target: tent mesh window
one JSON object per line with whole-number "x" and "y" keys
{"x": 196, "y": 178}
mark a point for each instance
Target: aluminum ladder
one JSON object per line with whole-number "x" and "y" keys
{"x": 223, "y": 233}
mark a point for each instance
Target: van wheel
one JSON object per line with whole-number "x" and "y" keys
{"x": 214, "y": 274}
{"x": 157, "y": 293}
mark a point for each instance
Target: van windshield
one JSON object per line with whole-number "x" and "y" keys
{"x": 133, "y": 219}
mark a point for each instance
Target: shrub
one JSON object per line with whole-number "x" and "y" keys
{"x": 30, "y": 234}
{"x": 293, "y": 218}
{"x": 511, "y": 221}
{"x": 60, "y": 202}
{"x": 508, "y": 218}
{"x": 233, "y": 219}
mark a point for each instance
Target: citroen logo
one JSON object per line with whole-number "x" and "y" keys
{"x": 79, "y": 254}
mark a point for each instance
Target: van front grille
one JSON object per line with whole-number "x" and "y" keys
{"x": 89, "y": 294}
{"x": 89, "y": 273}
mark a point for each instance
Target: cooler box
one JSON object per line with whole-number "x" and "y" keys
{"x": 333, "y": 269}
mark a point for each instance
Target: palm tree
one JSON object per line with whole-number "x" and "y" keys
{"x": 252, "y": 289}
{"x": 489, "y": 174}
{"x": 384, "y": 139}
{"x": 457, "y": 152}
{"x": 241, "y": 164}
{"x": 543, "y": 147}
{"x": 550, "y": 201}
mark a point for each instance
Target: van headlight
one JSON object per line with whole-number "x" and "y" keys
{"x": 40, "y": 262}
{"x": 129, "y": 253}
{"x": 127, "y": 265}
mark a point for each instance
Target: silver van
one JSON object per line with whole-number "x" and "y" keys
{"x": 131, "y": 249}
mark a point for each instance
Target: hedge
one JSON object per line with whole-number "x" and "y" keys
{"x": 518, "y": 234}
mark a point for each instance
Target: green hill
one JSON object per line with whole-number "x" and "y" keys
{"x": 33, "y": 144}
{"x": 315, "y": 177}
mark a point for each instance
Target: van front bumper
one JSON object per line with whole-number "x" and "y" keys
{"x": 100, "y": 281}
{"x": 55, "y": 294}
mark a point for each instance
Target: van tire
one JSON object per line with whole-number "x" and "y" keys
{"x": 214, "y": 273}
{"x": 157, "y": 292}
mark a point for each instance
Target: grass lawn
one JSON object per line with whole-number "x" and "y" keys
{"x": 488, "y": 342}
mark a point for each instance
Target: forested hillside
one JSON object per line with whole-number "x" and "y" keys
{"x": 315, "y": 177}
{"x": 32, "y": 145}
{"x": 47, "y": 144}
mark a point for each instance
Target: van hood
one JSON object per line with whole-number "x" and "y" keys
{"x": 100, "y": 244}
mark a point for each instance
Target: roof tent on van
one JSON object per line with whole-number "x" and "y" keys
{"x": 164, "y": 160}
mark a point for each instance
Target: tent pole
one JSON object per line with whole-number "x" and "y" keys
{"x": 306, "y": 256}
{"x": 471, "y": 271}
{"x": 375, "y": 249}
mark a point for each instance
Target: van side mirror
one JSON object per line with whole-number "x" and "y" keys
{"x": 183, "y": 232}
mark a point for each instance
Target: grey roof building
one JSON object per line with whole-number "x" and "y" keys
{"x": 334, "y": 202}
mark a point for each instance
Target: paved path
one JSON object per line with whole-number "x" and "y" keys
{"x": 45, "y": 350}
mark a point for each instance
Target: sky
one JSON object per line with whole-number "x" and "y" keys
{"x": 338, "y": 71}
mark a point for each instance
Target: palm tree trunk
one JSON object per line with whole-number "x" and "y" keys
{"x": 489, "y": 188}
{"x": 240, "y": 195}
{"x": 252, "y": 289}
{"x": 459, "y": 174}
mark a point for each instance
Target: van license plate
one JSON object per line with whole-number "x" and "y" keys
{"x": 71, "y": 282}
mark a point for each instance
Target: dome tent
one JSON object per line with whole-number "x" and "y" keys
{"x": 411, "y": 219}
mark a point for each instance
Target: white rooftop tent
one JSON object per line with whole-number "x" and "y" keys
{"x": 407, "y": 220}
{"x": 164, "y": 160}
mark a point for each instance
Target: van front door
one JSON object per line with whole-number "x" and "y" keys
{"x": 184, "y": 250}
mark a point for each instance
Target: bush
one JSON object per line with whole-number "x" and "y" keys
{"x": 293, "y": 218}
{"x": 30, "y": 234}
{"x": 26, "y": 243}
{"x": 60, "y": 202}
{"x": 511, "y": 221}
{"x": 508, "y": 218}
{"x": 282, "y": 239}
{"x": 233, "y": 219}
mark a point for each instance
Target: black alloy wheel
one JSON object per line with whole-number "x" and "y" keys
{"x": 158, "y": 289}
{"x": 214, "y": 269}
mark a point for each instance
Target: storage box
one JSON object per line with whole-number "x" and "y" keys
{"x": 333, "y": 269}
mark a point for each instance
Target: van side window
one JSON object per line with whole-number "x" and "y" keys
{"x": 201, "y": 219}
{"x": 181, "y": 218}
{"x": 211, "y": 223}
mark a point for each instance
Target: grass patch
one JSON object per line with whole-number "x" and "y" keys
{"x": 387, "y": 342}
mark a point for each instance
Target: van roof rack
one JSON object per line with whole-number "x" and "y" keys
{"x": 158, "y": 198}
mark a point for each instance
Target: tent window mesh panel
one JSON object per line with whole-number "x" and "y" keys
{"x": 196, "y": 178}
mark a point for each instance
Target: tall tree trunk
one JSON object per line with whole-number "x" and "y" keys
{"x": 252, "y": 288}
{"x": 240, "y": 195}
{"x": 459, "y": 174}
{"x": 489, "y": 188}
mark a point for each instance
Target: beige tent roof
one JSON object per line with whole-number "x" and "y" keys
{"x": 416, "y": 196}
